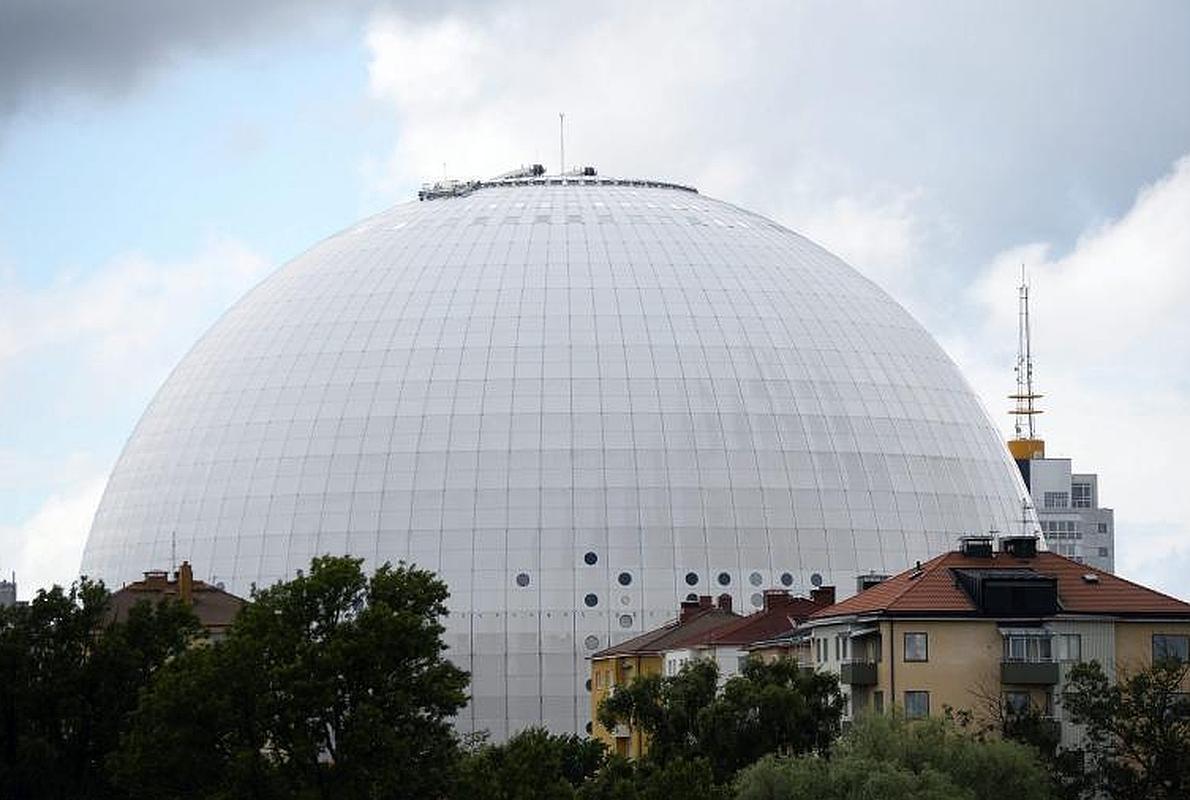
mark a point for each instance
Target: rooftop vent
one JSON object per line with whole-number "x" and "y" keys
{"x": 1019, "y": 546}
{"x": 1090, "y": 577}
{"x": 976, "y": 546}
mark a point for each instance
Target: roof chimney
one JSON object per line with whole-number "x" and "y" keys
{"x": 823, "y": 595}
{"x": 186, "y": 583}
{"x": 976, "y": 546}
{"x": 725, "y": 602}
{"x": 776, "y": 598}
{"x": 704, "y": 601}
{"x": 689, "y": 609}
{"x": 1019, "y": 546}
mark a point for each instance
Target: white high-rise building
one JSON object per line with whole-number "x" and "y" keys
{"x": 1067, "y": 505}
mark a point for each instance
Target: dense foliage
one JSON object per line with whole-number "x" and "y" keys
{"x": 890, "y": 758}
{"x": 69, "y": 678}
{"x": 774, "y": 707}
{"x": 330, "y": 685}
{"x": 1138, "y": 730}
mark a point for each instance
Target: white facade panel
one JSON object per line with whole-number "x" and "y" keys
{"x": 566, "y": 383}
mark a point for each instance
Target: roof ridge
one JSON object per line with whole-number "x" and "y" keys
{"x": 912, "y": 582}
{"x": 1100, "y": 573}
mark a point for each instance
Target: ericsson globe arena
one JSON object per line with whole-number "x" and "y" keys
{"x": 578, "y": 400}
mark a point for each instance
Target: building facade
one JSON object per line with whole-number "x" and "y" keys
{"x": 1067, "y": 504}
{"x": 8, "y": 592}
{"x": 215, "y": 608}
{"x": 984, "y": 630}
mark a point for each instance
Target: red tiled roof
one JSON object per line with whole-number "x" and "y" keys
{"x": 674, "y": 634}
{"x": 215, "y": 608}
{"x": 782, "y": 615}
{"x": 933, "y": 589}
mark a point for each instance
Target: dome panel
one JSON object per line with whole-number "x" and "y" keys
{"x": 536, "y": 390}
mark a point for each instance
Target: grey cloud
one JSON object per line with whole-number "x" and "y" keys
{"x": 106, "y": 48}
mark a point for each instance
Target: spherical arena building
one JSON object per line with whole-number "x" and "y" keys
{"x": 578, "y": 400}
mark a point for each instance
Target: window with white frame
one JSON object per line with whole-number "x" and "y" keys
{"x": 1070, "y": 647}
{"x": 1056, "y": 499}
{"x": 1171, "y": 647}
{"x": 1080, "y": 495}
{"x": 1028, "y": 647}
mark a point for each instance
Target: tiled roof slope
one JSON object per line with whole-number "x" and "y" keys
{"x": 782, "y": 615}
{"x": 932, "y": 589}
{"x": 674, "y": 634}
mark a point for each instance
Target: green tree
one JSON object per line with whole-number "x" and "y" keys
{"x": 768, "y": 708}
{"x": 532, "y": 764}
{"x": 69, "y": 679}
{"x": 650, "y": 779}
{"x": 329, "y": 685}
{"x": 1138, "y": 729}
{"x": 890, "y": 758}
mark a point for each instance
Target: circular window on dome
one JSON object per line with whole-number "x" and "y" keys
{"x": 588, "y": 727}
{"x": 691, "y": 578}
{"x": 816, "y": 579}
{"x": 591, "y": 558}
{"x": 724, "y": 579}
{"x": 588, "y": 684}
{"x": 692, "y": 598}
{"x": 522, "y": 579}
{"x": 786, "y": 579}
{"x": 625, "y": 620}
{"x": 757, "y": 599}
{"x": 591, "y": 642}
{"x": 591, "y": 600}
{"x": 755, "y": 579}
{"x": 625, "y": 578}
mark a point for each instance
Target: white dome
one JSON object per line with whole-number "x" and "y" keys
{"x": 577, "y": 403}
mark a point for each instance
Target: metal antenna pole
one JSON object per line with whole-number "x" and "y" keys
{"x": 1025, "y": 397}
{"x": 562, "y": 142}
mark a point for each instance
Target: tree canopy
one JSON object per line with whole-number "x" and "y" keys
{"x": 69, "y": 679}
{"x": 772, "y": 707}
{"x": 330, "y": 685}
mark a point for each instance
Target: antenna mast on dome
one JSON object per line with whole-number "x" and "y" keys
{"x": 562, "y": 143}
{"x": 1025, "y": 445}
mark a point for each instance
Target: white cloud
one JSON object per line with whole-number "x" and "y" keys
{"x": 79, "y": 359}
{"x": 1112, "y": 350}
{"x": 46, "y": 547}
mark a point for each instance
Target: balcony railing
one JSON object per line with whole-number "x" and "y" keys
{"x": 858, "y": 673}
{"x": 1031, "y": 673}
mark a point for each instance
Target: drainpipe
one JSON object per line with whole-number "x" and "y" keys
{"x": 892, "y": 663}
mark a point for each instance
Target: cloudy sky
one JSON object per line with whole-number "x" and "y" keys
{"x": 159, "y": 158}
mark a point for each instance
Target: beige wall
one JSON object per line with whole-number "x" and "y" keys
{"x": 1134, "y": 644}
{"x": 606, "y": 674}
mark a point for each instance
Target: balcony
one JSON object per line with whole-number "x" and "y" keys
{"x": 858, "y": 673}
{"x": 1029, "y": 673}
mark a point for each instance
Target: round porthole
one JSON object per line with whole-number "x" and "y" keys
{"x": 757, "y": 599}
{"x": 591, "y": 642}
{"x": 691, "y": 578}
{"x": 692, "y": 598}
{"x": 522, "y": 580}
{"x": 724, "y": 579}
{"x": 625, "y": 578}
{"x": 591, "y": 600}
{"x": 588, "y": 684}
{"x": 591, "y": 558}
{"x": 786, "y": 579}
{"x": 588, "y": 727}
{"x": 625, "y": 620}
{"x": 816, "y": 579}
{"x": 755, "y": 579}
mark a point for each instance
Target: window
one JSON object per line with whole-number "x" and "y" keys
{"x": 1070, "y": 647}
{"x": 1169, "y": 647}
{"x": 1103, "y": 552}
{"x": 878, "y": 701}
{"x": 1028, "y": 647}
{"x": 917, "y": 705}
{"x": 917, "y": 648}
{"x": 1080, "y": 495}
{"x": 1016, "y": 702}
{"x": 1102, "y": 527}
{"x": 1056, "y": 499}
{"x": 836, "y": 647}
